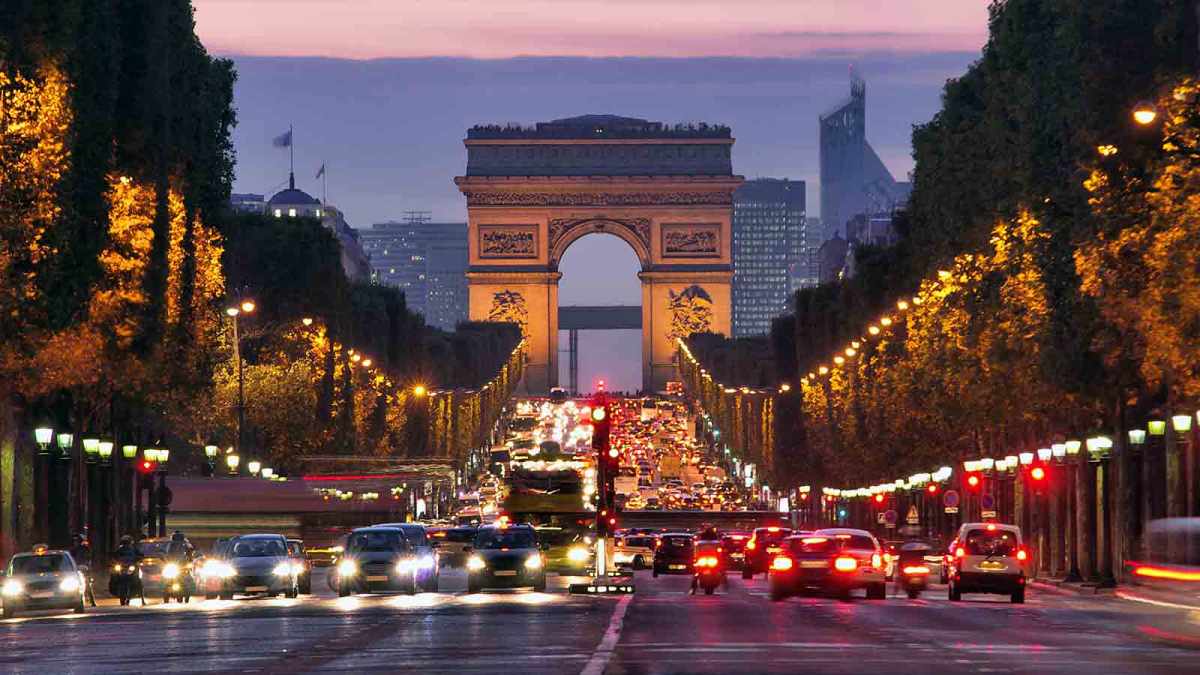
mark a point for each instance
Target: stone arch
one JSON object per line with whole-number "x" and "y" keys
{"x": 633, "y": 231}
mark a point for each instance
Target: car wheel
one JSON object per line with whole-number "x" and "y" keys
{"x": 472, "y": 587}
{"x": 210, "y": 596}
{"x": 343, "y": 590}
{"x": 8, "y": 612}
{"x": 1018, "y": 597}
{"x": 79, "y": 609}
{"x": 877, "y": 592}
{"x": 913, "y": 594}
{"x": 708, "y": 590}
{"x": 778, "y": 592}
{"x": 430, "y": 585}
{"x": 654, "y": 573}
{"x": 540, "y": 586}
{"x": 306, "y": 587}
{"x": 227, "y": 596}
{"x": 639, "y": 563}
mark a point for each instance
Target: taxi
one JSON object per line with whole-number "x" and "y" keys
{"x": 41, "y": 579}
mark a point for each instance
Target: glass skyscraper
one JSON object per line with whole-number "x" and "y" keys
{"x": 770, "y": 251}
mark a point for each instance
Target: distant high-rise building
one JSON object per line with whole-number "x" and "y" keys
{"x": 248, "y": 202}
{"x": 770, "y": 256}
{"x": 426, "y": 260}
{"x": 854, "y": 180}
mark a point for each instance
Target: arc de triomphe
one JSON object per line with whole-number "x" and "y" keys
{"x": 665, "y": 191}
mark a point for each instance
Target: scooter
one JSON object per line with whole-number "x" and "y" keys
{"x": 708, "y": 574}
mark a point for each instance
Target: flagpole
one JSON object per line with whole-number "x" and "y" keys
{"x": 324, "y": 187}
{"x": 291, "y": 153}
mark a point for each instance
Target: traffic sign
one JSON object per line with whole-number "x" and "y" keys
{"x": 988, "y": 514}
{"x": 912, "y": 518}
{"x": 951, "y": 509}
{"x": 950, "y": 500}
{"x": 889, "y": 517}
{"x": 987, "y": 502}
{"x": 881, "y": 518}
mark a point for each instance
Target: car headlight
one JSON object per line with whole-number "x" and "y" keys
{"x": 475, "y": 563}
{"x": 69, "y": 585}
{"x": 217, "y": 569}
{"x": 577, "y": 554}
{"x": 405, "y": 566}
{"x": 347, "y": 568}
{"x": 170, "y": 571}
{"x": 298, "y": 568}
{"x": 283, "y": 569}
{"x": 533, "y": 562}
{"x": 425, "y": 562}
{"x": 117, "y": 568}
{"x": 12, "y": 587}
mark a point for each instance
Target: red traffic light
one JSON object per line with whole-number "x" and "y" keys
{"x": 933, "y": 488}
{"x": 614, "y": 453}
{"x": 146, "y": 466}
{"x": 973, "y": 480}
{"x": 1037, "y": 473}
{"x": 879, "y": 499}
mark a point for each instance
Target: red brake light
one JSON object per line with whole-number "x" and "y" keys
{"x": 772, "y": 529}
{"x": 706, "y": 561}
{"x": 845, "y": 564}
{"x": 750, "y": 545}
{"x": 916, "y": 569}
{"x": 1022, "y": 555}
{"x": 781, "y": 564}
{"x": 959, "y": 552}
{"x": 876, "y": 560}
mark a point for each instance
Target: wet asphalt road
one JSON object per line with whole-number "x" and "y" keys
{"x": 664, "y": 630}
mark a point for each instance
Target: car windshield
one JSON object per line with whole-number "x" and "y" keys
{"x": 258, "y": 548}
{"x": 460, "y": 536}
{"x": 677, "y": 542}
{"x": 642, "y": 542}
{"x": 295, "y": 548}
{"x": 505, "y": 539}
{"x": 158, "y": 549}
{"x": 991, "y": 542}
{"x": 378, "y": 541}
{"x": 39, "y": 564}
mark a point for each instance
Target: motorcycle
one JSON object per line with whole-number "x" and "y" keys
{"x": 125, "y": 582}
{"x": 912, "y": 572}
{"x": 708, "y": 571}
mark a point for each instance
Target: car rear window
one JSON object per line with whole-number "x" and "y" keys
{"x": 770, "y": 537}
{"x": 991, "y": 542}
{"x": 677, "y": 542}
{"x": 644, "y": 542}
{"x": 830, "y": 544}
{"x": 460, "y": 536}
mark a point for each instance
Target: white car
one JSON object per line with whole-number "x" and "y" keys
{"x": 988, "y": 558}
{"x": 41, "y": 579}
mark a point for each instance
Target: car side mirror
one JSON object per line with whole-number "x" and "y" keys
{"x": 468, "y": 549}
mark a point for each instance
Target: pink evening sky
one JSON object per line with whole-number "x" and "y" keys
{"x": 367, "y": 29}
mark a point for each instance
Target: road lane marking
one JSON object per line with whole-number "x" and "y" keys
{"x": 1160, "y": 603}
{"x": 604, "y": 652}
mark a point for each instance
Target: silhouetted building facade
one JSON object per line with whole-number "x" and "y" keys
{"x": 769, "y": 247}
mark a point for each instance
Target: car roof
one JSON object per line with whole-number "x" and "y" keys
{"x": 248, "y": 536}
{"x": 402, "y": 526}
{"x": 843, "y": 530}
{"x": 377, "y": 528}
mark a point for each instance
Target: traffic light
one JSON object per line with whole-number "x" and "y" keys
{"x": 600, "y": 425}
{"x": 1037, "y": 473}
{"x": 879, "y": 499}
{"x": 932, "y": 489}
{"x": 973, "y": 481}
{"x": 606, "y": 523}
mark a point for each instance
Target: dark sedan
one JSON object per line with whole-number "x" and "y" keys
{"x": 377, "y": 559}
{"x": 506, "y": 557}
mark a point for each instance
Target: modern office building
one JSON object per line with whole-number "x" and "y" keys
{"x": 770, "y": 251}
{"x": 426, "y": 260}
{"x": 854, "y": 181}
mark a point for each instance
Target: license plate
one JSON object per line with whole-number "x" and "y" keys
{"x": 773, "y": 549}
{"x": 42, "y": 595}
{"x": 506, "y": 573}
{"x": 256, "y": 589}
{"x": 813, "y": 564}
{"x": 377, "y": 577}
{"x": 677, "y": 567}
{"x": 736, "y": 556}
{"x": 991, "y": 566}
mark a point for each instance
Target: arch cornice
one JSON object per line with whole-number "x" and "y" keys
{"x": 565, "y": 231}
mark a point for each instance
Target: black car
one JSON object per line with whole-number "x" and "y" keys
{"x": 762, "y": 547}
{"x": 675, "y": 554}
{"x": 427, "y": 560}
{"x": 505, "y": 557}
{"x": 259, "y": 563}
{"x": 304, "y": 577}
{"x": 377, "y": 559}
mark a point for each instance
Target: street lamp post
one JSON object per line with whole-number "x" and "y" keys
{"x": 127, "y": 483}
{"x": 235, "y": 311}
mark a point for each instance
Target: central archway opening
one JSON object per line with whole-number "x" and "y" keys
{"x": 600, "y": 270}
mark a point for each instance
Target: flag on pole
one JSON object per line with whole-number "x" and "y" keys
{"x": 283, "y": 140}
{"x": 321, "y": 171}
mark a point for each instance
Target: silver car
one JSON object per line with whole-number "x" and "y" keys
{"x": 42, "y": 579}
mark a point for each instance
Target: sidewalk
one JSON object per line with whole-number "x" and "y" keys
{"x": 1172, "y": 595}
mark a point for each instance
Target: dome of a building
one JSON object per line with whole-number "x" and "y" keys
{"x": 292, "y": 196}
